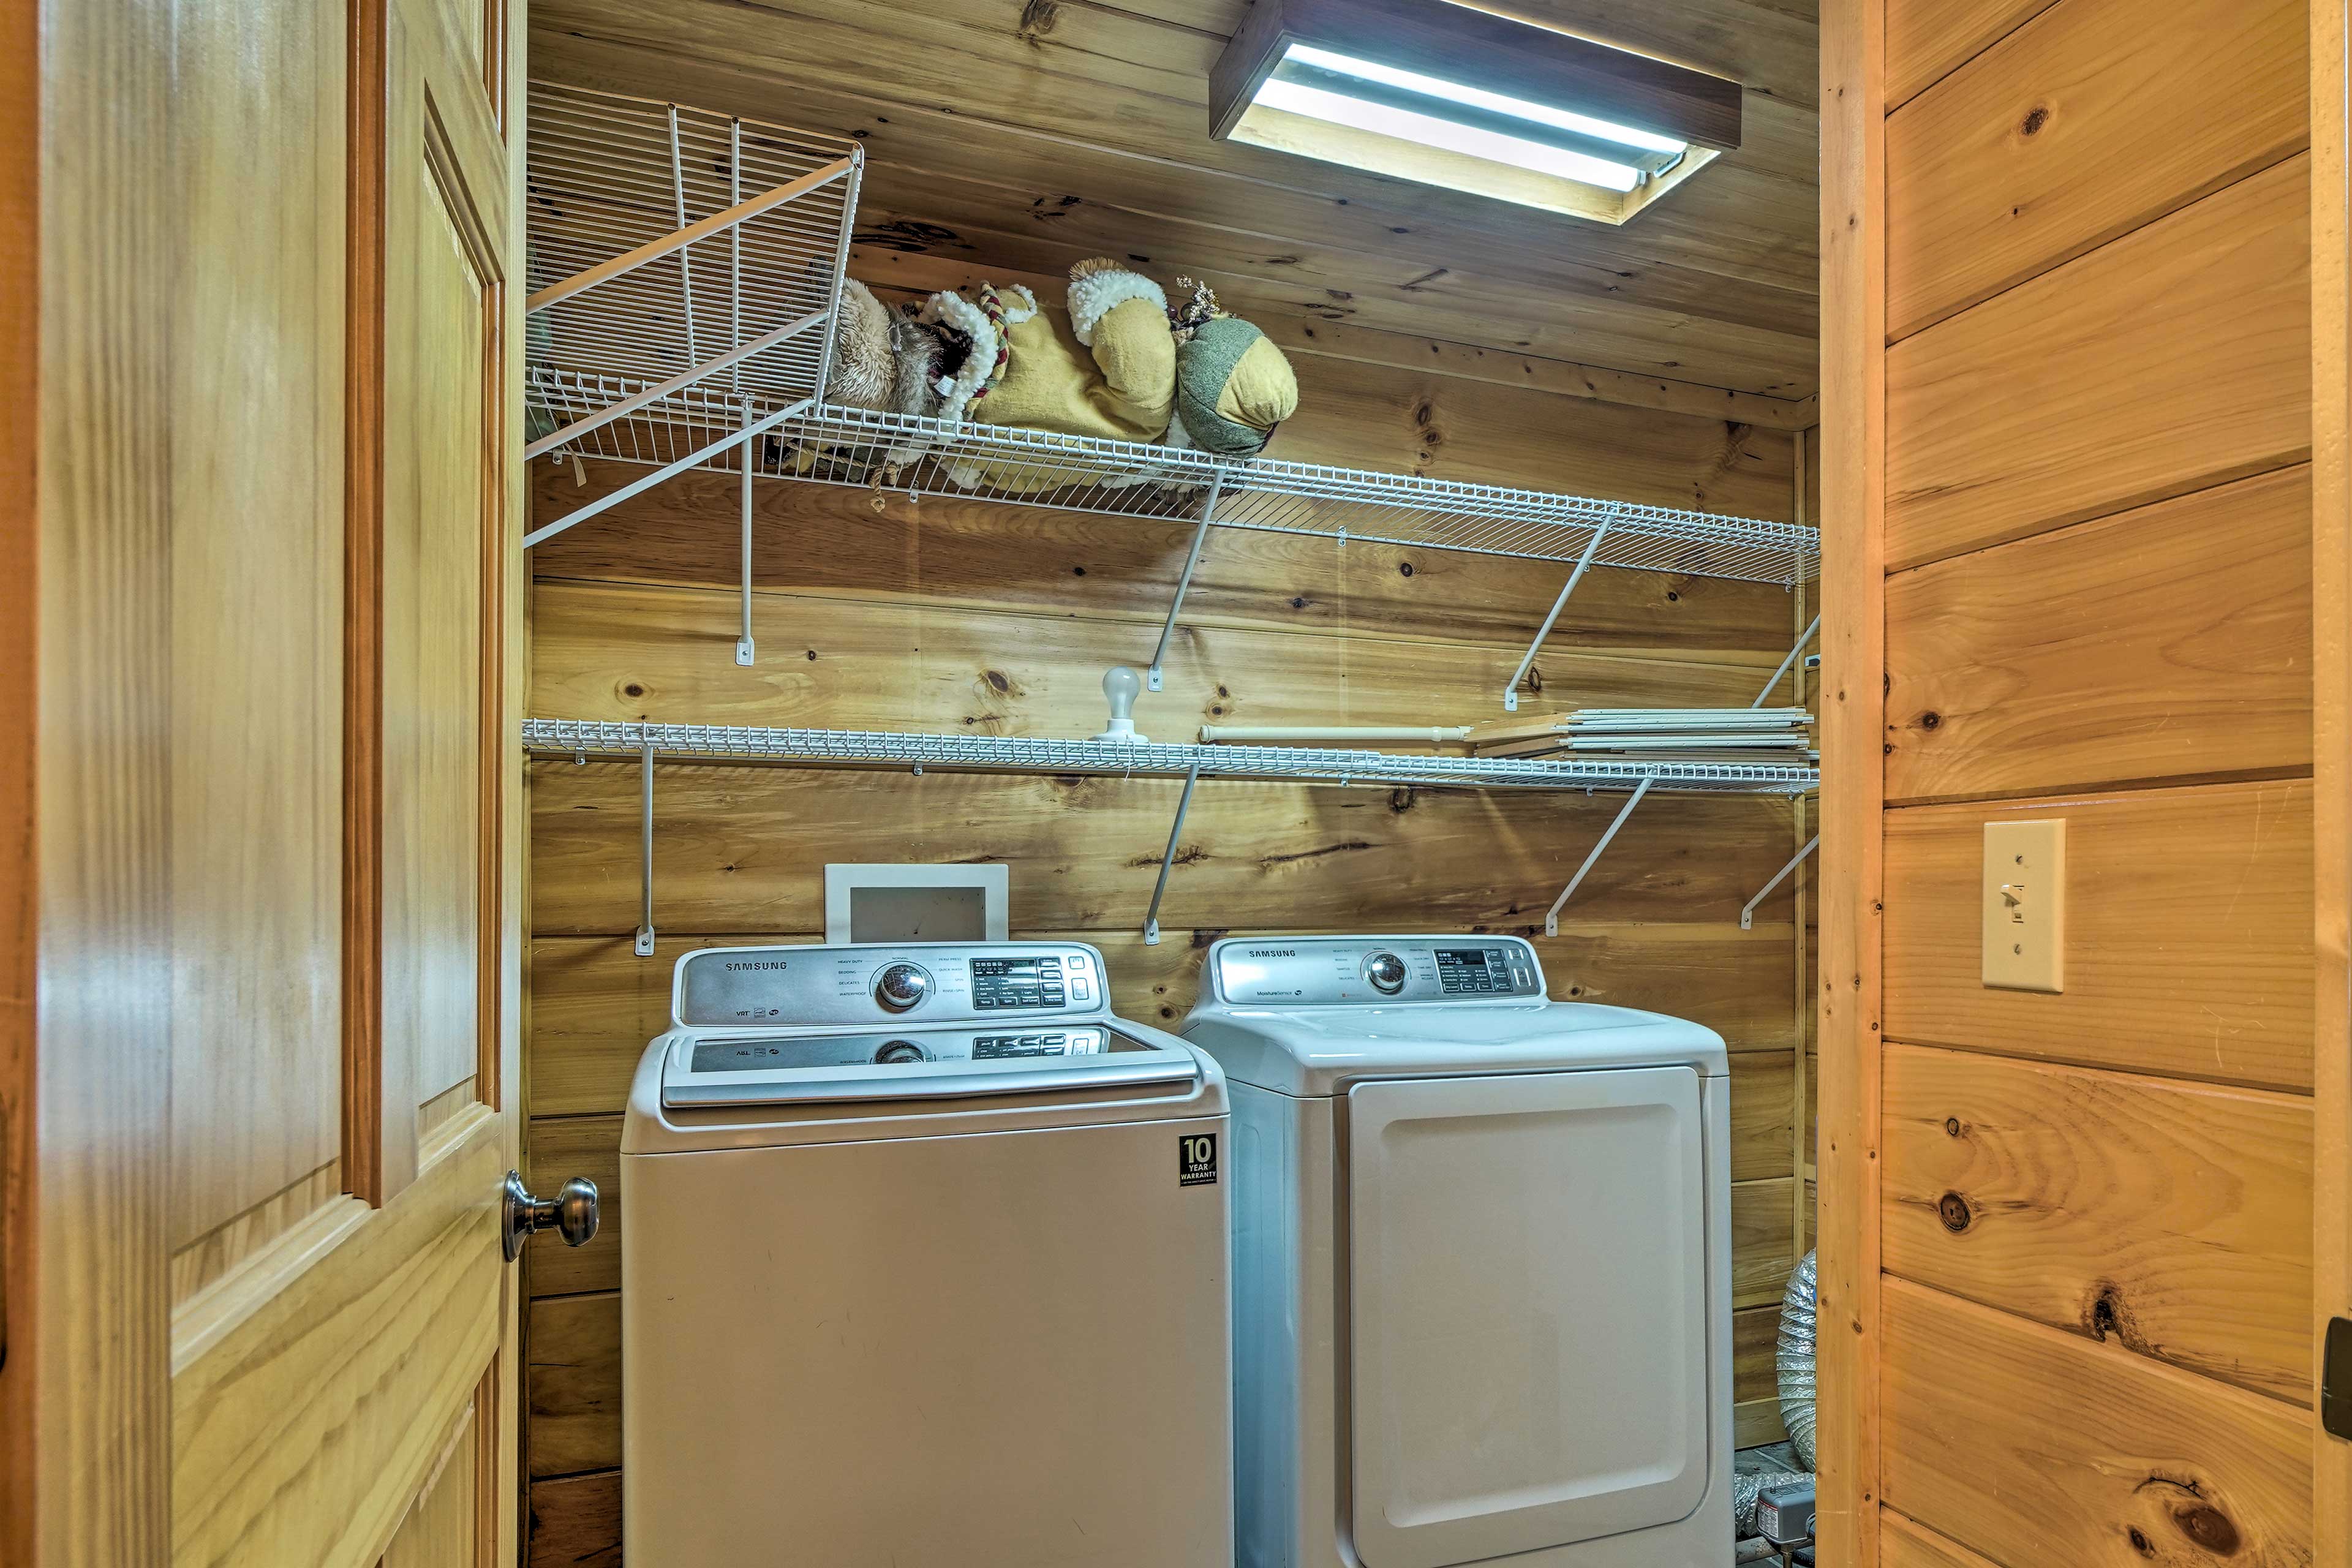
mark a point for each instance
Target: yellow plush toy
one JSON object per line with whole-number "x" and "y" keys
{"x": 1107, "y": 369}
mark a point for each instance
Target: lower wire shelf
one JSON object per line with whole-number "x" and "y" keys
{"x": 647, "y": 743}
{"x": 1021, "y": 755}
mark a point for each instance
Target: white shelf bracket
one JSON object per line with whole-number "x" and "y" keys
{"x": 1583, "y": 563}
{"x": 1191, "y": 560}
{"x": 1175, "y": 830}
{"x": 1748, "y": 912}
{"x": 743, "y": 645}
{"x": 1551, "y": 915}
{"x": 1803, "y": 638}
{"x": 645, "y": 849}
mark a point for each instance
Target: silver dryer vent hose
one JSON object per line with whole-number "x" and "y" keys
{"x": 1798, "y": 1314}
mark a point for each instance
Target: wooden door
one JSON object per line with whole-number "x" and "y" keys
{"x": 259, "y": 1042}
{"x": 2075, "y": 1245}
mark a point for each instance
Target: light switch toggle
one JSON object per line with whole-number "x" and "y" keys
{"x": 2025, "y": 905}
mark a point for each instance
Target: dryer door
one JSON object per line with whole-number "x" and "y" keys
{"x": 1527, "y": 1312}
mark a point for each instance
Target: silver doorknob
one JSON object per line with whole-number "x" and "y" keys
{"x": 572, "y": 1212}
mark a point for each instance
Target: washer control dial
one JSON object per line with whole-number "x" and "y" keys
{"x": 900, "y": 987}
{"x": 898, "y": 1052}
{"x": 1386, "y": 972}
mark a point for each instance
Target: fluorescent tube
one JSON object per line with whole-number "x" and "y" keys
{"x": 1430, "y": 130}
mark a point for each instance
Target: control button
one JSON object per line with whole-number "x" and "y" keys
{"x": 1386, "y": 972}
{"x": 1080, "y": 989}
{"x": 1054, "y": 996}
{"x": 901, "y": 986}
{"x": 899, "y": 1051}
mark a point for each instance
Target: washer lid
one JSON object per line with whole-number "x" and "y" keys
{"x": 1320, "y": 1051}
{"x": 746, "y": 1068}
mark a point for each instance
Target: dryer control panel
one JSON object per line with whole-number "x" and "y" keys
{"x": 916, "y": 983}
{"x": 1377, "y": 971}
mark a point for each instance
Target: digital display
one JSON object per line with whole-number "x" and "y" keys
{"x": 1465, "y": 971}
{"x": 1017, "y": 982}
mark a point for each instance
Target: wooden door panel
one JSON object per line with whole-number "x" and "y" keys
{"x": 439, "y": 307}
{"x": 306, "y": 1433}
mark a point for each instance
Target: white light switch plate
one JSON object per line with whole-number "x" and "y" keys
{"x": 2025, "y": 905}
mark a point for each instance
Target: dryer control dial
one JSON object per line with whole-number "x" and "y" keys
{"x": 1386, "y": 972}
{"x": 901, "y": 987}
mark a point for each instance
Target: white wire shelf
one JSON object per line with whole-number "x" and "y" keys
{"x": 1018, "y": 755}
{"x": 908, "y": 455}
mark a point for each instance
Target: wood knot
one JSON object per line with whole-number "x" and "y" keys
{"x": 1931, "y": 720}
{"x": 1401, "y": 799}
{"x": 996, "y": 679}
{"x": 1039, "y": 17}
{"x": 2035, "y": 119}
{"x": 2208, "y": 1528}
{"x": 633, "y": 689}
{"x": 1952, "y": 1126}
{"x": 1404, "y": 569}
{"x": 1953, "y": 1210}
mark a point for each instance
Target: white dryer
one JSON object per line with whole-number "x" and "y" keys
{"x": 925, "y": 1257}
{"x": 1482, "y": 1262}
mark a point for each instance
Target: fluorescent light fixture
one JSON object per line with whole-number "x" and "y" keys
{"x": 1451, "y": 135}
{"x": 1479, "y": 98}
{"x": 1447, "y": 94}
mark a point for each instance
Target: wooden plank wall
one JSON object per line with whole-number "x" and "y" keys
{"x": 2086, "y": 1326}
{"x": 961, "y": 615}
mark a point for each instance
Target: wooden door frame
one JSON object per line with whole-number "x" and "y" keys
{"x": 2331, "y": 419}
{"x": 1852, "y": 694}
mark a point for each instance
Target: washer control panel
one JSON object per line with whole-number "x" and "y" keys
{"x": 923, "y": 984}
{"x": 1326, "y": 971}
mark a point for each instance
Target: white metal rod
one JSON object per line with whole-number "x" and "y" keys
{"x": 1175, "y": 828}
{"x": 646, "y": 852}
{"x": 683, "y": 379}
{"x": 717, "y": 223}
{"x": 1803, "y": 638}
{"x": 691, "y": 459}
{"x": 685, "y": 253}
{"x": 1434, "y": 734}
{"x": 1191, "y": 560}
{"x": 838, "y": 270}
{"x": 735, "y": 246}
{"x": 743, "y": 645}
{"x": 1551, "y": 916}
{"x": 1583, "y": 561}
{"x": 1748, "y": 913}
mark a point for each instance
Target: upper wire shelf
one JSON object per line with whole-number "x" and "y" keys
{"x": 1023, "y": 754}
{"x": 906, "y": 454}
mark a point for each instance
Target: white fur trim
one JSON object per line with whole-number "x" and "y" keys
{"x": 1014, "y": 318}
{"x": 1092, "y": 297}
{"x": 955, "y": 310}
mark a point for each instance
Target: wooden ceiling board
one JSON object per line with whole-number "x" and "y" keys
{"x": 1029, "y": 133}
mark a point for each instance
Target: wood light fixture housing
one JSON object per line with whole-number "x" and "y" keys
{"x": 1452, "y": 96}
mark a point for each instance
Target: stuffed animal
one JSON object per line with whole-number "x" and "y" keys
{"x": 1232, "y": 385}
{"x": 1105, "y": 369}
{"x": 915, "y": 360}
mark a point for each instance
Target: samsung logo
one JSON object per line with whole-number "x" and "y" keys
{"x": 768, "y": 963}
{"x": 1273, "y": 953}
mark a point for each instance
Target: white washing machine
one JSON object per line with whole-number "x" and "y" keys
{"x": 1482, "y": 1262}
{"x": 925, "y": 1256}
